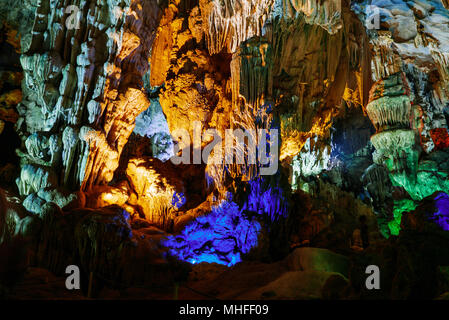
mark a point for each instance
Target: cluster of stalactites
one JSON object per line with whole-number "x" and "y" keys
{"x": 392, "y": 113}
{"x": 228, "y": 23}
{"x": 385, "y": 61}
{"x": 390, "y": 106}
{"x": 442, "y": 63}
{"x": 251, "y": 86}
{"x": 326, "y": 14}
{"x": 313, "y": 159}
{"x": 251, "y": 73}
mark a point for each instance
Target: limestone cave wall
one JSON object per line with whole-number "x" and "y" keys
{"x": 98, "y": 97}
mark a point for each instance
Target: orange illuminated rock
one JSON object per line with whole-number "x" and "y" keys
{"x": 8, "y": 102}
{"x": 13, "y": 39}
{"x": 12, "y": 97}
{"x": 155, "y": 185}
{"x": 9, "y": 115}
{"x": 196, "y": 84}
{"x": 162, "y": 47}
{"x": 103, "y": 196}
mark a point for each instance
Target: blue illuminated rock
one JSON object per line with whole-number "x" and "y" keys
{"x": 221, "y": 236}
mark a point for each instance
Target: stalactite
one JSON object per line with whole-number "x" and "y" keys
{"x": 441, "y": 59}
{"x": 229, "y": 23}
{"x": 251, "y": 74}
{"x": 313, "y": 159}
{"x": 326, "y": 14}
{"x": 390, "y": 112}
{"x": 391, "y": 141}
{"x": 385, "y": 61}
{"x": 390, "y": 106}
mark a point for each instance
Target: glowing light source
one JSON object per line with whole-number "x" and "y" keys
{"x": 108, "y": 196}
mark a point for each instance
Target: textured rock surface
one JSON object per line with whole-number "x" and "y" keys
{"x": 298, "y": 285}
{"x": 15, "y": 221}
{"x": 158, "y": 192}
{"x": 74, "y": 92}
{"x": 229, "y": 23}
{"x": 326, "y": 14}
{"x": 195, "y": 87}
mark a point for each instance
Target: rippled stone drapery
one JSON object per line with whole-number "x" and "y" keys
{"x": 229, "y": 23}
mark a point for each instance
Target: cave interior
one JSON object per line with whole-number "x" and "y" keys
{"x": 224, "y": 149}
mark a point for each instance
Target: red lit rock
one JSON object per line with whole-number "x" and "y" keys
{"x": 440, "y": 138}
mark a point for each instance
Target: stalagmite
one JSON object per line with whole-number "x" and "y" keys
{"x": 386, "y": 61}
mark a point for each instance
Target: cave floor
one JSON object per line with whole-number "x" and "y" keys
{"x": 206, "y": 282}
{"x": 41, "y": 284}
